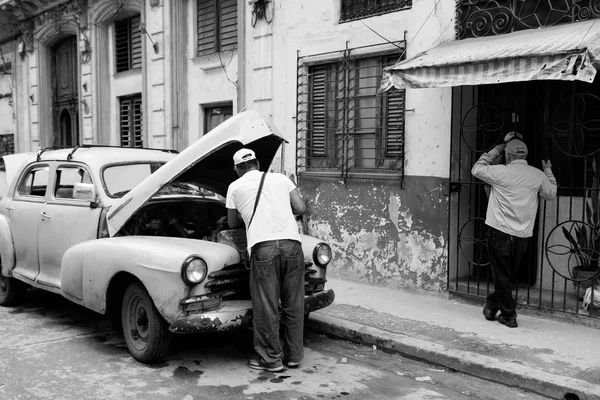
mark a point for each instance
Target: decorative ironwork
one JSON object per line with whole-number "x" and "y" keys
{"x": 477, "y": 18}
{"x": 561, "y": 122}
{"x": 474, "y": 248}
{"x": 573, "y": 247}
{"x": 575, "y": 118}
{"x": 481, "y": 120}
{"x": 357, "y": 9}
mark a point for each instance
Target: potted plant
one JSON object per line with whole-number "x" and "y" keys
{"x": 584, "y": 236}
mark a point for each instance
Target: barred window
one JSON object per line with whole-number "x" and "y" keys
{"x": 128, "y": 44}
{"x": 357, "y": 9}
{"x": 130, "y": 121}
{"x": 344, "y": 124}
{"x": 217, "y": 26}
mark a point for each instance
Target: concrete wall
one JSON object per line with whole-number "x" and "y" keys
{"x": 381, "y": 233}
{"x": 8, "y": 125}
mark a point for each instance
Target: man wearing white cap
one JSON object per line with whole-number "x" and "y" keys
{"x": 511, "y": 212}
{"x": 276, "y": 259}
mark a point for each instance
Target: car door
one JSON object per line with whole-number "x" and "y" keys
{"x": 25, "y": 213}
{"x": 67, "y": 221}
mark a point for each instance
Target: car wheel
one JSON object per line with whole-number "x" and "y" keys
{"x": 146, "y": 332}
{"x": 12, "y": 292}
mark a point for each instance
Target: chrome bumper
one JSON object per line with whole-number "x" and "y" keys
{"x": 233, "y": 315}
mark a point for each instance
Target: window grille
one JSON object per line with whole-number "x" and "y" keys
{"x": 488, "y": 18}
{"x": 128, "y": 44}
{"x": 357, "y": 9}
{"x": 130, "y": 121}
{"x": 344, "y": 125}
{"x": 217, "y": 26}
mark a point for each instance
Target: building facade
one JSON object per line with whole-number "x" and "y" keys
{"x": 385, "y": 173}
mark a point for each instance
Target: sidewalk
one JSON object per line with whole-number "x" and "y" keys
{"x": 541, "y": 355}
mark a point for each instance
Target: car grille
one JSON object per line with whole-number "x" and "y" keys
{"x": 233, "y": 282}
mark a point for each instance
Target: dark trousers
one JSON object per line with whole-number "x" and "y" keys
{"x": 505, "y": 253}
{"x": 277, "y": 273}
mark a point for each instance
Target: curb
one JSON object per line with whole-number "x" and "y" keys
{"x": 493, "y": 369}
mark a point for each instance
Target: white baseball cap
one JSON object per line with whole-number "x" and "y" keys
{"x": 516, "y": 147}
{"x": 243, "y": 155}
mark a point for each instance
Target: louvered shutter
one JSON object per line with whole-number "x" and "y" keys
{"x": 136, "y": 43}
{"x": 394, "y": 141}
{"x": 125, "y": 122}
{"x": 128, "y": 44}
{"x": 228, "y": 28}
{"x": 207, "y": 26}
{"x": 137, "y": 122}
{"x": 318, "y": 111}
{"x": 131, "y": 122}
{"x": 122, "y": 45}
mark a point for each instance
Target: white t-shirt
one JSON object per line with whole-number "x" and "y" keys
{"x": 274, "y": 219}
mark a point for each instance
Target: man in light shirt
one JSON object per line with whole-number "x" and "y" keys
{"x": 276, "y": 259}
{"x": 512, "y": 208}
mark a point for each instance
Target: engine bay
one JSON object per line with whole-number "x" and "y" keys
{"x": 199, "y": 219}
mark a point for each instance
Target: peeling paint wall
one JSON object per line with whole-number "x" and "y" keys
{"x": 381, "y": 233}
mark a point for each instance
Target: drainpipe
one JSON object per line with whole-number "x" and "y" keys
{"x": 241, "y": 81}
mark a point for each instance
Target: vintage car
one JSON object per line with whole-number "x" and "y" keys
{"x": 139, "y": 235}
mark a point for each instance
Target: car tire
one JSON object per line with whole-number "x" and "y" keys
{"x": 146, "y": 332}
{"x": 12, "y": 292}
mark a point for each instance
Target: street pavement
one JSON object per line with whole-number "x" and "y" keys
{"x": 543, "y": 355}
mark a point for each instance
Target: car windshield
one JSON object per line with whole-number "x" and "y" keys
{"x": 121, "y": 178}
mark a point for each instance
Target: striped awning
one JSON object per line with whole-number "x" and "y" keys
{"x": 565, "y": 52}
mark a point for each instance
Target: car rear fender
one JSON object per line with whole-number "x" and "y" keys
{"x": 7, "y": 247}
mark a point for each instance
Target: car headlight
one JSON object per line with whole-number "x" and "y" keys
{"x": 322, "y": 254}
{"x": 193, "y": 270}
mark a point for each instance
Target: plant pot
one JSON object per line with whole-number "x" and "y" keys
{"x": 584, "y": 279}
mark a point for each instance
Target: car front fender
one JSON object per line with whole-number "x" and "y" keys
{"x": 89, "y": 267}
{"x": 7, "y": 247}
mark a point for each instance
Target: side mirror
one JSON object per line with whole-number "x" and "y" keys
{"x": 84, "y": 191}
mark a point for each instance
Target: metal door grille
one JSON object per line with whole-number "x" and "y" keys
{"x": 561, "y": 122}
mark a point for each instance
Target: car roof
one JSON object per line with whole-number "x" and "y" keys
{"x": 98, "y": 156}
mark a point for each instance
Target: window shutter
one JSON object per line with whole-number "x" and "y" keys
{"x": 394, "y": 142}
{"x": 318, "y": 111}
{"x": 125, "y": 122}
{"x": 131, "y": 122}
{"x": 228, "y": 31}
{"x": 207, "y": 26}
{"x": 137, "y": 123}
{"x": 122, "y": 45}
{"x": 136, "y": 43}
{"x": 128, "y": 44}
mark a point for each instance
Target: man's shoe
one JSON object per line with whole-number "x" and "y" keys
{"x": 258, "y": 363}
{"x": 292, "y": 364}
{"x": 490, "y": 314}
{"x": 510, "y": 322}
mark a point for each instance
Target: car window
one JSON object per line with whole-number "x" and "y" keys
{"x": 66, "y": 178}
{"x": 120, "y": 179}
{"x": 35, "y": 182}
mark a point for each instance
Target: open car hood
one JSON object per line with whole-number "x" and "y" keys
{"x": 208, "y": 162}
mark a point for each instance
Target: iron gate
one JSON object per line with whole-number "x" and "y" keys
{"x": 560, "y": 121}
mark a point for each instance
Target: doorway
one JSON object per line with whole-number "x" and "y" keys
{"x": 65, "y": 93}
{"x": 559, "y": 122}
{"x": 214, "y": 115}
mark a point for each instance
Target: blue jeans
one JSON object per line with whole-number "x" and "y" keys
{"x": 277, "y": 273}
{"x": 505, "y": 253}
